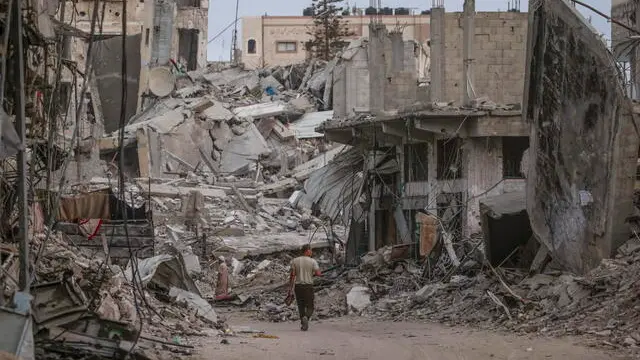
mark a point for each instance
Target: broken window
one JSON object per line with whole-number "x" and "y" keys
{"x": 512, "y": 150}
{"x": 251, "y": 46}
{"x": 416, "y": 157}
{"x": 188, "y": 3}
{"x": 449, "y": 159}
{"x": 286, "y": 46}
{"x": 146, "y": 37}
{"x": 188, "y": 47}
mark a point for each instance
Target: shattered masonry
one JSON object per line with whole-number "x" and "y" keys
{"x": 477, "y": 168}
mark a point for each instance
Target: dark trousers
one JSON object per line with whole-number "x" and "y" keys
{"x": 304, "y": 298}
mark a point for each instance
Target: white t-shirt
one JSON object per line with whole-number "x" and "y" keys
{"x": 304, "y": 267}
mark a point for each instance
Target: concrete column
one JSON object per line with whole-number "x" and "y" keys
{"x": 377, "y": 76}
{"x": 397, "y": 51}
{"x": 438, "y": 59}
{"x": 468, "y": 37}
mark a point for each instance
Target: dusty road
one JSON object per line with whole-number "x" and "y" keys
{"x": 356, "y": 339}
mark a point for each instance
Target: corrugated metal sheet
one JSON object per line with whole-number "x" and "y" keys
{"x": 334, "y": 188}
{"x": 304, "y": 128}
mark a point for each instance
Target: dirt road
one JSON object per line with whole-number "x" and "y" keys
{"x": 357, "y": 339}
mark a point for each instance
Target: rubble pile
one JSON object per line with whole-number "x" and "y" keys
{"x": 602, "y": 305}
{"x": 162, "y": 324}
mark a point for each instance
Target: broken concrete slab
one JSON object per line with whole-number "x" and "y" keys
{"x": 584, "y": 140}
{"x": 195, "y": 302}
{"x": 358, "y": 299}
{"x": 261, "y": 110}
{"x": 244, "y": 150}
{"x": 180, "y": 191}
{"x": 305, "y": 127}
{"x": 217, "y": 112}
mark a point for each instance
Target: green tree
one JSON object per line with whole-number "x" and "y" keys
{"x": 329, "y": 31}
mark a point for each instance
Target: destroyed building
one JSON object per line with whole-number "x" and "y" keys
{"x": 440, "y": 146}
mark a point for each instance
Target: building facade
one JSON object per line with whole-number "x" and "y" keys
{"x": 440, "y": 160}
{"x": 280, "y": 40}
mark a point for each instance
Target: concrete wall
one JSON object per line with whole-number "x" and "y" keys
{"x": 184, "y": 18}
{"x": 108, "y": 69}
{"x": 499, "y": 56}
{"x": 624, "y": 12}
{"x": 268, "y": 30}
{"x": 583, "y": 145}
{"x": 80, "y": 16}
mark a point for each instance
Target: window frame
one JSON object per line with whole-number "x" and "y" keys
{"x": 282, "y": 42}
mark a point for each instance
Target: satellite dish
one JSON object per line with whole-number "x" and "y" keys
{"x": 161, "y": 81}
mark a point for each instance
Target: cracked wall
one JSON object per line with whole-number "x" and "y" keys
{"x": 583, "y": 142}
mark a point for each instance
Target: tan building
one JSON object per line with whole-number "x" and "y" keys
{"x": 279, "y": 40}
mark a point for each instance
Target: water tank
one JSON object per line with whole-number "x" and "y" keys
{"x": 370, "y": 11}
{"x": 387, "y": 11}
{"x": 402, "y": 11}
{"x": 307, "y": 11}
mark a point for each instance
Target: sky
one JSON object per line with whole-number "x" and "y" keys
{"x": 222, "y": 13}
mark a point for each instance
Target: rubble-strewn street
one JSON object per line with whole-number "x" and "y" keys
{"x": 361, "y": 339}
{"x": 407, "y": 183}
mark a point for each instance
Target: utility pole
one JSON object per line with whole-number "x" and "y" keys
{"x": 234, "y": 46}
{"x": 21, "y": 129}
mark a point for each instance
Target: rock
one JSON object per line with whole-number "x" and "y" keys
{"x": 428, "y": 291}
{"x": 236, "y": 267}
{"x": 358, "y": 299}
{"x": 629, "y": 341}
{"x": 109, "y": 308}
{"x": 195, "y": 302}
{"x": 292, "y": 224}
{"x": 604, "y": 333}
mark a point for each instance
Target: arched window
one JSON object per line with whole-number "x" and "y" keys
{"x": 251, "y": 46}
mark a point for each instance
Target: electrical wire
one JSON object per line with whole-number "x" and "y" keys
{"x": 79, "y": 109}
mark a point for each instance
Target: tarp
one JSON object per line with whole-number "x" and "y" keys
{"x": 164, "y": 271}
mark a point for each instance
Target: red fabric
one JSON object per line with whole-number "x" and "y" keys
{"x": 95, "y": 231}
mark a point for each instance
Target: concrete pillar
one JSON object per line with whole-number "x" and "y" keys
{"x": 468, "y": 37}
{"x": 437, "y": 54}
{"x": 397, "y": 51}
{"x": 377, "y": 73}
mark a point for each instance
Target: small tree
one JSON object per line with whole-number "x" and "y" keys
{"x": 329, "y": 31}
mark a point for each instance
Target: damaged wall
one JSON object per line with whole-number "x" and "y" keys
{"x": 108, "y": 74}
{"x": 499, "y": 54}
{"x": 172, "y": 31}
{"x": 584, "y": 146}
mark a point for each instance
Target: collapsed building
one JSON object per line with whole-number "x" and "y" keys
{"x": 382, "y": 159}
{"x": 446, "y": 144}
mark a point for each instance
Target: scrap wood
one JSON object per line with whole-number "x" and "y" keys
{"x": 505, "y": 284}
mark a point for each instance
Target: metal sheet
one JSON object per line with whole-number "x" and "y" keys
{"x": 305, "y": 127}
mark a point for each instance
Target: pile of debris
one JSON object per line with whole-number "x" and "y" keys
{"x": 83, "y": 308}
{"x": 601, "y": 306}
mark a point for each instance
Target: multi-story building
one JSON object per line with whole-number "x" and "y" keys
{"x": 446, "y": 158}
{"x": 157, "y": 31}
{"x": 280, "y": 40}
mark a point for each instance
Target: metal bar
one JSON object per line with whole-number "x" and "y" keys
{"x": 21, "y": 129}
{"x": 5, "y": 44}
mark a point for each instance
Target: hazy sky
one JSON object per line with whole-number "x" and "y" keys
{"x": 222, "y": 12}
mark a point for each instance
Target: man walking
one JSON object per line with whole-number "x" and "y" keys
{"x": 303, "y": 268}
